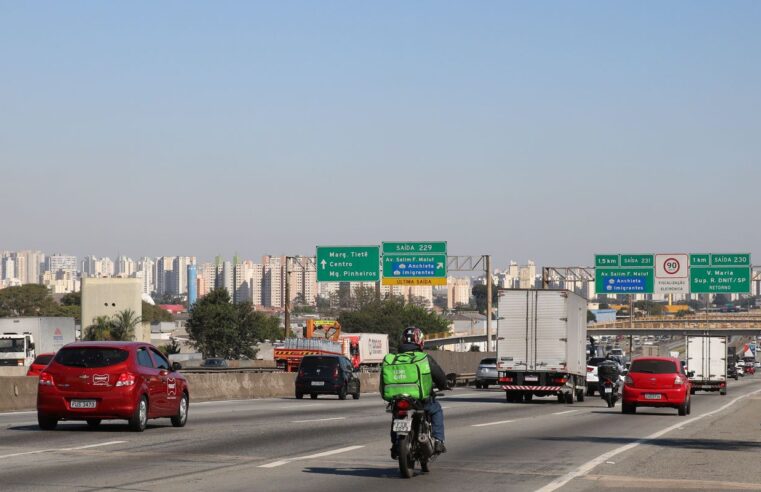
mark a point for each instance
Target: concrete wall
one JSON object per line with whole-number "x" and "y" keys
{"x": 108, "y": 296}
{"x": 20, "y": 393}
{"x": 459, "y": 362}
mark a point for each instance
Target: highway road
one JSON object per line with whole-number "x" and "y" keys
{"x": 327, "y": 444}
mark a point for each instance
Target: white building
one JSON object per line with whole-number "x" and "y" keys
{"x": 458, "y": 292}
{"x": 61, "y": 263}
{"x": 273, "y": 286}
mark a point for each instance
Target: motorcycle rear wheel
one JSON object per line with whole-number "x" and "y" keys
{"x": 406, "y": 461}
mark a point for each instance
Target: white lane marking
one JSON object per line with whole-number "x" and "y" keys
{"x": 591, "y": 464}
{"x": 109, "y": 443}
{"x": 317, "y": 420}
{"x": 304, "y": 405}
{"x": 464, "y": 394}
{"x": 17, "y": 413}
{"x": 566, "y": 412}
{"x": 493, "y": 423}
{"x": 309, "y": 457}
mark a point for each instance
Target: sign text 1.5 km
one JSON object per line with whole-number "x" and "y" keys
{"x": 348, "y": 263}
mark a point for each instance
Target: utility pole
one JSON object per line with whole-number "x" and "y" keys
{"x": 488, "y": 302}
{"x": 287, "y": 321}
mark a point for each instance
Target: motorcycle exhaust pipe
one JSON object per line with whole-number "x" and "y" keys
{"x": 427, "y": 444}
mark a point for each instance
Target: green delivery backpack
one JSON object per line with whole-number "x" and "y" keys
{"x": 407, "y": 374}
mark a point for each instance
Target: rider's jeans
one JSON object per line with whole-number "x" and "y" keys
{"x": 433, "y": 408}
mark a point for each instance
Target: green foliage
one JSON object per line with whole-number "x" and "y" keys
{"x": 479, "y": 293}
{"x": 173, "y": 347}
{"x": 100, "y": 330}
{"x": 27, "y": 300}
{"x": 721, "y": 300}
{"x": 220, "y": 329}
{"x": 169, "y": 299}
{"x": 123, "y": 325}
{"x": 591, "y": 316}
{"x": 154, "y": 314}
{"x": 72, "y": 299}
{"x": 391, "y": 316}
{"x": 475, "y": 348}
{"x": 650, "y": 307}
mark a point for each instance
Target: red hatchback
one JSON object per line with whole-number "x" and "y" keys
{"x": 656, "y": 382}
{"x": 40, "y": 363}
{"x": 92, "y": 381}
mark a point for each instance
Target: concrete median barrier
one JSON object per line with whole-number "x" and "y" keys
{"x": 20, "y": 393}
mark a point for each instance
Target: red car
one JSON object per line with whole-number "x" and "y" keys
{"x": 40, "y": 363}
{"x": 656, "y": 382}
{"x": 92, "y": 381}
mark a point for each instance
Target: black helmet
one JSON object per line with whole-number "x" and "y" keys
{"x": 413, "y": 335}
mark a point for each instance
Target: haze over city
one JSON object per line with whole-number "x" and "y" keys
{"x": 520, "y": 131}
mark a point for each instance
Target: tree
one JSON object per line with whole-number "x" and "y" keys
{"x": 173, "y": 347}
{"x": 72, "y": 299}
{"x": 591, "y": 316}
{"x": 479, "y": 293}
{"x": 27, "y": 300}
{"x": 721, "y": 300}
{"x": 220, "y": 329}
{"x": 123, "y": 325}
{"x": 100, "y": 330}
{"x": 391, "y": 316}
{"x": 155, "y": 314}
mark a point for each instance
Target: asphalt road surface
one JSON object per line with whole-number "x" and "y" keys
{"x": 328, "y": 444}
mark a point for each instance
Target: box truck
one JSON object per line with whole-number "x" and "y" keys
{"x": 707, "y": 363}
{"x": 365, "y": 350}
{"x": 541, "y": 344}
{"x": 23, "y": 339}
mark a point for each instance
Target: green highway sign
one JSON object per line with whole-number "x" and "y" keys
{"x": 700, "y": 260}
{"x": 742, "y": 259}
{"x": 415, "y": 247}
{"x": 637, "y": 260}
{"x": 607, "y": 261}
{"x": 624, "y": 280}
{"x": 415, "y": 263}
{"x": 720, "y": 279}
{"x": 348, "y": 263}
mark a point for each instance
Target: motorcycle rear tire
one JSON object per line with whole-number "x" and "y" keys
{"x": 406, "y": 461}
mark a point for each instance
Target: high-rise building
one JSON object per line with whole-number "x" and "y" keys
{"x": 125, "y": 266}
{"x": 302, "y": 282}
{"x": 273, "y": 286}
{"x": 164, "y": 266}
{"x": 192, "y": 280}
{"x": 178, "y": 283}
{"x": 207, "y": 273}
{"x": 61, "y": 263}
{"x": 148, "y": 268}
{"x": 458, "y": 292}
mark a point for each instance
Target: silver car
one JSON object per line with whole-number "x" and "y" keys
{"x": 486, "y": 373}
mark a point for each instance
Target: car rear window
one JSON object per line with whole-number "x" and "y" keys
{"x": 43, "y": 359}
{"x": 90, "y": 356}
{"x": 653, "y": 367}
{"x": 488, "y": 361}
{"x": 309, "y": 365}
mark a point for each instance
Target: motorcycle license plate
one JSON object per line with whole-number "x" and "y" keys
{"x": 402, "y": 425}
{"x": 609, "y": 390}
{"x": 83, "y": 403}
{"x": 652, "y": 396}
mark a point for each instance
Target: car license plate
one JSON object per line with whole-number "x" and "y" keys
{"x": 402, "y": 425}
{"x": 652, "y": 396}
{"x": 610, "y": 390}
{"x": 318, "y": 383}
{"x": 531, "y": 378}
{"x": 83, "y": 403}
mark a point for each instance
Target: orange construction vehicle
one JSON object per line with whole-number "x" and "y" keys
{"x": 320, "y": 338}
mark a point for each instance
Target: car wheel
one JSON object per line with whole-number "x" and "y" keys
{"x": 356, "y": 395}
{"x": 342, "y": 393}
{"x": 628, "y": 408}
{"x": 682, "y": 409}
{"x": 139, "y": 418}
{"x": 46, "y": 423}
{"x": 299, "y": 396}
{"x": 313, "y": 396}
{"x": 692, "y": 391}
{"x": 181, "y": 418}
{"x": 723, "y": 391}
{"x": 93, "y": 422}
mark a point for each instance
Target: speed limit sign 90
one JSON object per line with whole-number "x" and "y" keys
{"x": 671, "y": 266}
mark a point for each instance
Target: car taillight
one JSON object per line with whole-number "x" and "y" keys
{"x": 678, "y": 381}
{"x": 46, "y": 379}
{"x": 629, "y": 381}
{"x": 562, "y": 380}
{"x": 301, "y": 373}
{"x": 590, "y": 369}
{"x": 125, "y": 379}
{"x": 335, "y": 372}
{"x": 505, "y": 379}
{"x": 20, "y": 362}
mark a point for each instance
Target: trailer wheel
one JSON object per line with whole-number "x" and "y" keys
{"x": 569, "y": 398}
{"x": 580, "y": 395}
{"x": 723, "y": 391}
{"x": 527, "y": 397}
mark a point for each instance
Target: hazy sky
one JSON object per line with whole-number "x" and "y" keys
{"x": 545, "y": 131}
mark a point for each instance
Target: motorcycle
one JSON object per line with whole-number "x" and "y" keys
{"x": 414, "y": 442}
{"x": 609, "y": 391}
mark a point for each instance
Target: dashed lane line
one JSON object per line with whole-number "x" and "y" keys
{"x": 493, "y": 423}
{"x": 39, "y": 451}
{"x": 311, "y": 456}
{"x": 317, "y": 420}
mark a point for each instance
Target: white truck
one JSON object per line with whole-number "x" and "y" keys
{"x": 707, "y": 363}
{"x": 541, "y": 344}
{"x": 23, "y": 339}
{"x": 365, "y": 350}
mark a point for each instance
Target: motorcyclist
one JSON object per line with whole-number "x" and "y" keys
{"x": 412, "y": 341}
